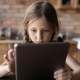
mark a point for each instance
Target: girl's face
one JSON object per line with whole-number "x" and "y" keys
{"x": 40, "y": 31}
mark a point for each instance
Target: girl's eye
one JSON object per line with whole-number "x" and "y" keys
{"x": 45, "y": 30}
{"x": 33, "y": 30}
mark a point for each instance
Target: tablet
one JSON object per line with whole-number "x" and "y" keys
{"x": 39, "y": 61}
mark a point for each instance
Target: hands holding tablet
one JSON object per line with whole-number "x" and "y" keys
{"x": 62, "y": 74}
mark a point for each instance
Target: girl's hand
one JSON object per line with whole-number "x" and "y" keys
{"x": 63, "y": 74}
{"x": 9, "y": 58}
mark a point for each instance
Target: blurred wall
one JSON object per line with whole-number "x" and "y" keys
{"x": 12, "y": 13}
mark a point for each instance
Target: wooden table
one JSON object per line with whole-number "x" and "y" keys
{"x": 73, "y": 49}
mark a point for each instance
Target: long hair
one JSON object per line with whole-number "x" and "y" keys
{"x": 37, "y": 10}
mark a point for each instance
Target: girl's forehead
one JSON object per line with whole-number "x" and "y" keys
{"x": 31, "y": 21}
{"x": 39, "y": 22}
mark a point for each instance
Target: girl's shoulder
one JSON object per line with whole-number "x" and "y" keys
{"x": 59, "y": 39}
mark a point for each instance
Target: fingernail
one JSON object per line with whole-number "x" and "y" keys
{"x": 54, "y": 76}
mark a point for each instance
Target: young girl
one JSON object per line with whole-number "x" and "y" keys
{"x": 40, "y": 26}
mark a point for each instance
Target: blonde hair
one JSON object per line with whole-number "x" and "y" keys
{"x": 37, "y": 10}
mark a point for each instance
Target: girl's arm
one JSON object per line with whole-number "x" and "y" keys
{"x": 3, "y": 69}
{"x": 75, "y": 66}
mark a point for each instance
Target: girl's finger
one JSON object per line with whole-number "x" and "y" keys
{"x": 10, "y": 54}
{"x": 6, "y": 57}
{"x": 61, "y": 71}
{"x": 64, "y": 74}
{"x": 63, "y": 78}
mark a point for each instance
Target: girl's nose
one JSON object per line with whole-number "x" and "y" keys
{"x": 39, "y": 36}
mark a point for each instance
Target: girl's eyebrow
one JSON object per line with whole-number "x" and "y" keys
{"x": 42, "y": 28}
{"x": 33, "y": 28}
{"x": 47, "y": 27}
